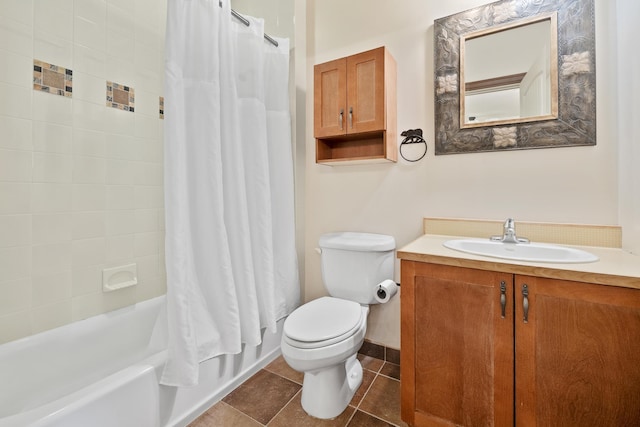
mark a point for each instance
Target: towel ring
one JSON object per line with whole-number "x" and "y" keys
{"x": 413, "y": 136}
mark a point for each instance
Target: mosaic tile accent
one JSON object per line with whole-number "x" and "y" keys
{"x": 120, "y": 96}
{"x": 162, "y": 107}
{"x": 52, "y": 79}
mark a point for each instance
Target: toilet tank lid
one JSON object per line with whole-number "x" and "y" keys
{"x": 353, "y": 241}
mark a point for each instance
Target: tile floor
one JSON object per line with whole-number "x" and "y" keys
{"x": 272, "y": 398}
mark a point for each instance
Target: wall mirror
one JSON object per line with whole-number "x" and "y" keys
{"x": 515, "y": 74}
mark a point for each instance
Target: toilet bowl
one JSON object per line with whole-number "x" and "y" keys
{"x": 322, "y": 339}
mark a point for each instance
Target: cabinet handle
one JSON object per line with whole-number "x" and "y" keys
{"x": 351, "y": 117}
{"x": 341, "y": 117}
{"x": 525, "y": 302}
{"x": 503, "y": 298}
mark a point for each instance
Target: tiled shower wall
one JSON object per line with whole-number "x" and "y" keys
{"x": 80, "y": 182}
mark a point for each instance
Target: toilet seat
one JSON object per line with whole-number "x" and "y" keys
{"x": 323, "y": 322}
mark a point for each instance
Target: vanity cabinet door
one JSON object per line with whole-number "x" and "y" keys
{"x": 577, "y": 355}
{"x": 457, "y": 346}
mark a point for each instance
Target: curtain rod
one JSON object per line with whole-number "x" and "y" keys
{"x": 246, "y": 22}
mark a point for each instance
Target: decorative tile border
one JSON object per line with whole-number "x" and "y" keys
{"x": 381, "y": 352}
{"x": 120, "y": 96}
{"x": 162, "y": 107}
{"x": 52, "y": 79}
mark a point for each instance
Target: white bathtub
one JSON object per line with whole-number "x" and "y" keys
{"x": 103, "y": 372}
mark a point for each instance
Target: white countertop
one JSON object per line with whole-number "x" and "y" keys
{"x": 615, "y": 267}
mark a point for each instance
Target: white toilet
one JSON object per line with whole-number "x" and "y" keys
{"x": 322, "y": 337}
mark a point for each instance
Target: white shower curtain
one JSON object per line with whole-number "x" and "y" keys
{"x": 230, "y": 243}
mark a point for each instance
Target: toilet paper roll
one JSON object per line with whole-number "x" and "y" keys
{"x": 385, "y": 290}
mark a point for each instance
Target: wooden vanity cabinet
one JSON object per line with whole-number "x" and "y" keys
{"x": 467, "y": 362}
{"x": 355, "y": 108}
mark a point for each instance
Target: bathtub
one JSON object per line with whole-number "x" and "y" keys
{"x": 104, "y": 371}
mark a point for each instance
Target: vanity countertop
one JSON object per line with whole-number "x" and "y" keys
{"x": 615, "y": 267}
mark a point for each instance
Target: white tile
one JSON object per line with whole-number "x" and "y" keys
{"x": 119, "y": 121}
{"x": 146, "y": 244}
{"x": 51, "y": 258}
{"x": 52, "y": 138}
{"x": 15, "y": 230}
{"x": 146, "y": 127}
{"x": 148, "y": 197}
{"x": 52, "y": 108}
{"x": 120, "y": 71}
{"x": 120, "y": 197}
{"x": 15, "y": 262}
{"x": 51, "y": 228}
{"x": 89, "y": 197}
{"x": 147, "y": 268}
{"x": 16, "y": 296}
{"x": 53, "y": 49}
{"x": 15, "y": 101}
{"x": 149, "y": 79}
{"x": 87, "y": 305}
{"x": 51, "y": 288}
{"x": 87, "y": 225}
{"x": 89, "y": 170}
{"x": 51, "y": 197}
{"x": 54, "y": 17}
{"x": 51, "y": 316}
{"x": 119, "y": 19}
{"x": 120, "y": 45}
{"x": 122, "y": 147}
{"x": 16, "y": 133}
{"x": 90, "y": 61}
{"x": 161, "y": 219}
{"x": 120, "y": 299}
{"x": 16, "y": 37}
{"x": 120, "y": 222}
{"x": 18, "y": 10}
{"x": 148, "y": 173}
{"x": 93, "y": 10}
{"x": 89, "y": 143}
{"x": 16, "y": 69}
{"x": 147, "y": 104}
{"x": 146, "y": 220}
{"x": 15, "y": 165}
{"x": 148, "y": 150}
{"x": 87, "y": 115}
{"x": 147, "y": 57}
{"x": 15, "y": 326}
{"x": 15, "y": 197}
{"x": 120, "y": 171}
{"x": 119, "y": 248}
{"x": 89, "y": 88}
{"x": 90, "y": 34}
{"x": 127, "y": 6}
{"x": 86, "y": 280}
{"x": 52, "y": 167}
{"x": 87, "y": 252}
{"x": 148, "y": 32}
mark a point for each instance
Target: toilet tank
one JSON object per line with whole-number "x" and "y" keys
{"x": 354, "y": 263}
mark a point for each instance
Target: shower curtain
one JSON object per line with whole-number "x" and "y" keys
{"x": 229, "y": 207}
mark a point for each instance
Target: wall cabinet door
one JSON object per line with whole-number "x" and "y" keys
{"x": 330, "y": 98}
{"x": 457, "y": 347}
{"x": 578, "y": 354}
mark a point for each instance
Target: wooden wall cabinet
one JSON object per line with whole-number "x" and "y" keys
{"x": 469, "y": 358}
{"x": 355, "y": 108}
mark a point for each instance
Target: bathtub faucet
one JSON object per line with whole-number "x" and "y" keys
{"x": 509, "y": 235}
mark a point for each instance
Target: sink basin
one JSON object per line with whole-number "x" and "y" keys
{"x": 532, "y": 252}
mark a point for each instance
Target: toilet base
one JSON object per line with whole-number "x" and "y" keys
{"x": 326, "y": 393}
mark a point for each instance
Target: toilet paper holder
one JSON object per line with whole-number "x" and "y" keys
{"x": 386, "y": 290}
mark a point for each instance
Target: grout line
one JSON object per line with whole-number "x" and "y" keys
{"x": 284, "y": 406}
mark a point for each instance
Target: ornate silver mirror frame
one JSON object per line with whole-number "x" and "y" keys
{"x": 576, "y": 121}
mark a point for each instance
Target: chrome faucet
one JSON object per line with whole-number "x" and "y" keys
{"x": 509, "y": 235}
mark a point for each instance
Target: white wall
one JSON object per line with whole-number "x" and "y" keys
{"x": 80, "y": 183}
{"x": 574, "y": 185}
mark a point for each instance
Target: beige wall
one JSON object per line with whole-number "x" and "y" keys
{"x": 576, "y": 185}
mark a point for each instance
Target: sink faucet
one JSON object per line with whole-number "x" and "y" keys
{"x": 509, "y": 235}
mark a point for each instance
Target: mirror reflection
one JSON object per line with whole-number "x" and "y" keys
{"x": 509, "y": 73}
